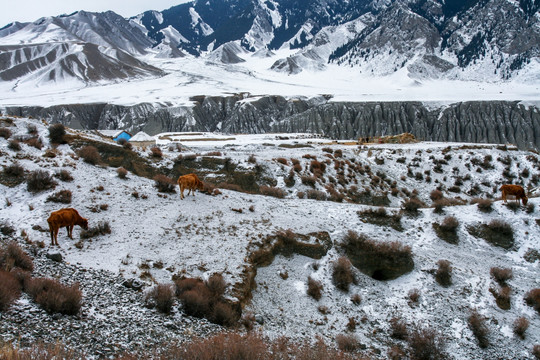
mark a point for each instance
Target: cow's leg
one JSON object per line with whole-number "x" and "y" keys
{"x": 70, "y": 229}
{"x": 504, "y": 196}
{"x": 56, "y": 235}
{"x": 182, "y": 188}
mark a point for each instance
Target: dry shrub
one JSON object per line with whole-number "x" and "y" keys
{"x": 164, "y": 183}
{"x": 57, "y": 132}
{"x": 62, "y": 196}
{"x": 536, "y": 351}
{"x": 412, "y": 205}
{"x": 14, "y": 170}
{"x": 34, "y": 142}
{"x": 502, "y": 297}
{"x": 342, "y": 274}
{"x": 398, "y": 328}
{"x": 501, "y": 275}
{"x": 38, "y": 351}
{"x": 14, "y": 145}
{"x": 5, "y": 133}
{"x": 90, "y": 154}
{"x": 317, "y": 168}
{"x": 205, "y": 300}
{"x": 356, "y": 299}
{"x": 122, "y": 172}
{"x": 273, "y": 191}
{"x": 161, "y": 296}
{"x": 520, "y": 326}
{"x": 532, "y": 298}
{"x": 396, "y": 353}
{"x": 10, "y": 290}
{"x": 316, "y": 195}
{"x": 31, "y": 129}
{"x": 347, "y": 342}
{"x": 414, "y": 295}
{"x": 156, "y": 152}
{"x": 380, "y": 260}
{"x": 443, "y": 275}
{"x": 477, "y": 324}
{"x": 6, "y": 228}
{"x": 309, "y": 180}
{"x": 484, "y": 205}
{"x": 54, "y": 296}
{"x": 64, "y": 175}
{"x": 426, "y": 344}
{"x": 436, "y": 195}
{"x": 40, "y": 180}
{"x": 14, "y": 257}
{"x": 282, "y": 161}
{"x": 314, "y": 288}
{"x": 497, "y": 232}
{"x": 449, "y": 224}
{"x": 102, "y": 228}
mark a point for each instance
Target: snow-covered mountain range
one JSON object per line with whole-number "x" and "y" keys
{"x": 486, "y": 41}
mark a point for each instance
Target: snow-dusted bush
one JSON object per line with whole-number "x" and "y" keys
{"x": 54, "y": 296}
{"x": 314, "y": 288}
{"x": 122, "y": 172}
{"x": 164, "y": 183}
{"x": 14, "y": 145}
{"x": 273, "y": 191}
{"x": 398, "y": 328}
{"x": 156, "y": 152}
{"x": 57, "y": 133}
{"x": 347, "y": 342}
{"x": 10, "y": 290}
{"x": 5, "y": 133}
{"x": 90, "y": 154}
{"x": 62, "y": 196}
{"x": 102, "y": 228}
{"x": 12, "y": 256}
{"x": 501, "y": 275}
{"x": 532, "y": 298}
{"x": 477, "y": 324}
{"x": 342, "y": 273}
{"x": 161, "y": 296}
{"x": 14, "y": 170}
{"x": 426, "y": 343}
{"x": 443, "y": 275}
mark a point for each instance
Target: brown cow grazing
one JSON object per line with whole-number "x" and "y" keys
{"x": 515, "y": 190}
{"x": 190, "y": 182}
{"x": 65, "y": 218}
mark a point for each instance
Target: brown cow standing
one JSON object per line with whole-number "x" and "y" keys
{"x": 190, "y": 182}
{"x": 65, "y": 218}
{"x": 515, "y": 190}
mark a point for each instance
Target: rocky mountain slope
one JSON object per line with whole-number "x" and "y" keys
{"x": 309, "y": 190}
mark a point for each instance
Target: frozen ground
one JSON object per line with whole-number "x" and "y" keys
{"x": 163, "y": 235}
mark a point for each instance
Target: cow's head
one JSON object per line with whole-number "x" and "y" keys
{"x": 84, "y": 223}
{"x": 200, "y": 186}
{"x": 525, "y": 200}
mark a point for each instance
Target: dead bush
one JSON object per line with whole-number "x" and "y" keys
{"x": 122, "y": 173}
{"x": 282, "y": 161}
{"x": 57, "y": 133}
{"x": 5, "y": 133}
{"x": 381, "y": 217}
{"x": 443, "y": 275}
{"x": 14, "y": 145}
{"x": 40, "y": 180}
{"x": 62, "y": 196}
{"x": 34, "y": 142}
{"x": 161, "y": 297}
{"x": 536, "y": 351}
{"x": 477, "y": 324}
{"x": 273, "y": 191}
{"x": 10, "y": 290}
{"x": 356, "y": 299}
{"x": 414, "y": 295}
{"x": 449, "y": 224}
{"x": 447, "y": 230}
{"x": 164, "y": 183}
{"x": 6, "y": 228}
{"x": 90, "y": 154}
{"x": 380, "y": 260}
{"x": 398, "y": 328}
{"x": 102, "y": 228}
{"x": 502, "y": 297}
{"x": 484, "y": 205}
{"x": 532, "y": 298}
{"x": 314, "y": 288}
{"x": 15, "y": 170}
{"x": 224, "y": 314}
{"x": 55, "y": 297}
{"x": 316, "y": 195}
{"x": 217, "y": 285}
{"x": 14, "y": 257}
{"x": 426, "y": 344}
{"x": 412, "y": 205}
{"x": 156, "y": 152}
{"x": 497, "y": 232}
{"x": 64, "y": 175}
{"x": 347, "y": 342}
{"x": 521, "y": 325}
{"x": 309, "y": 180}
{"x": 501, "y": 275}
{"x": 342, "y": 274}
{"x": 436, "y": 195}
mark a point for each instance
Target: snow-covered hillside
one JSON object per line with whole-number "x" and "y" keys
{"x": 319, "y": 187}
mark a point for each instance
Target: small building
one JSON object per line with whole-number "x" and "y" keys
{"x": 115, "y": 134}
{"x": 142, "y": 139}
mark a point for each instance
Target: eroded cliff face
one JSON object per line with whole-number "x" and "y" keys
{"x": 473, "y": 121}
